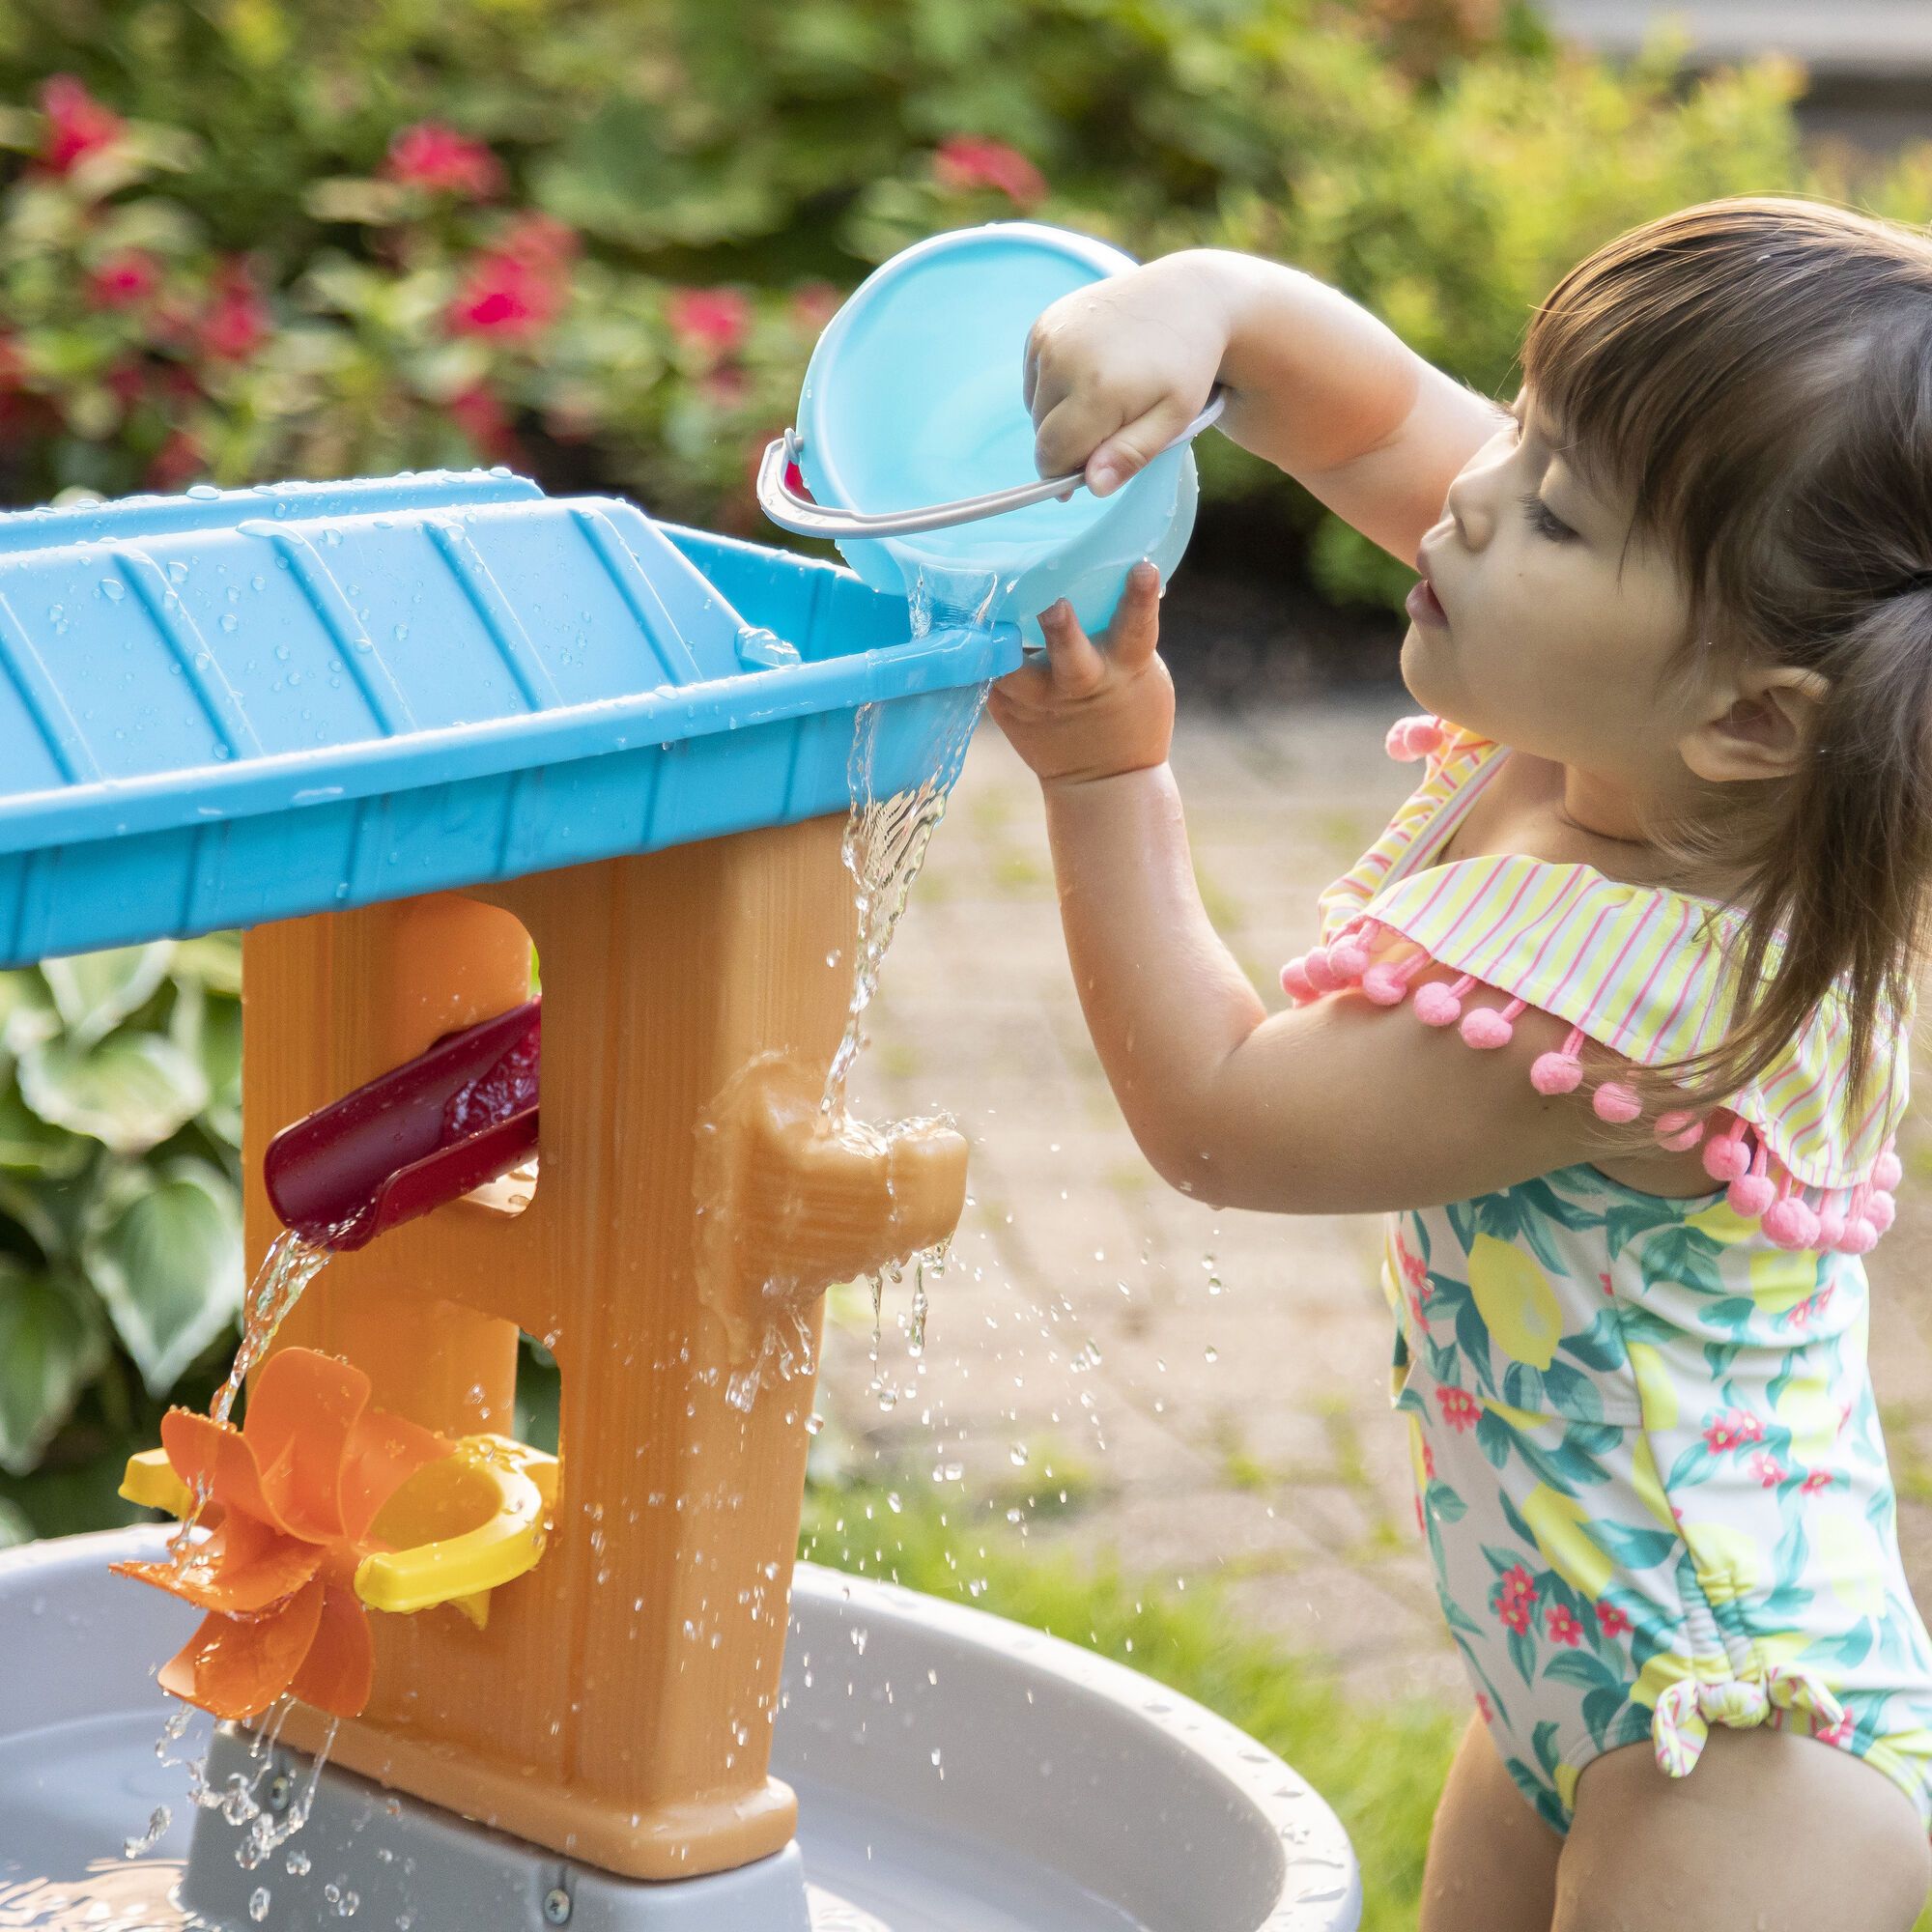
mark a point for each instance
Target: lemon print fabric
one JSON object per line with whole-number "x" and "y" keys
{"x": 1651, "y": 1483}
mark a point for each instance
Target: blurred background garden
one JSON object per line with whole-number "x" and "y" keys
{"x": 595, "y": 240}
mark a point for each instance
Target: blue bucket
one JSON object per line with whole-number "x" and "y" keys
{"x": 914, "y": 439}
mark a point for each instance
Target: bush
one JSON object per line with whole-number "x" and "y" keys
{"x": 120, "y": 1212}
{"x": 613, "y": 274}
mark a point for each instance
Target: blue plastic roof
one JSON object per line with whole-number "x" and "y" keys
{"x": 232, "y": 706}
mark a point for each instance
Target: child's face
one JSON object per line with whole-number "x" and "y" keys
{"x": 1537, "y": 625}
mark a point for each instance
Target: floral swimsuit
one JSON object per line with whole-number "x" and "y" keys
{"x": 1648, "y": 1462}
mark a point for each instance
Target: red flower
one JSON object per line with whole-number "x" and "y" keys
{"x": 1460, "y": 1410}
{"x": 1766, "y": 1468}
{"x": 430, "y": 154}
{"x": 968, "y": 161}
{"x": 1415, "y": 1269}
{"x": 1428, "y": 1463}
{"x": 1512, "y": 1598}
{"x": 1563, "y": 1628}
{"x": 1604, "y": 1282}
{"x": 235, "y": 322}
{"x": 517, "y": 287}
{"x": 481, "y": 416}
{"x": 177, "y": 460}
{"x": 713, "y": 318}
{"x": 1610, "y": 1620}
{"x": 77, "y": 124}
{"x": 123, "y": 279}
{"x": 1817, "y": 1479}
{"x": 1483, "y": 1705}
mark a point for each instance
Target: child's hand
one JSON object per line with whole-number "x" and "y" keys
{"x": 1115, "y": 371}
{"x": 1087, "y": 711}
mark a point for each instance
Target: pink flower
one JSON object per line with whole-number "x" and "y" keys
{"x": 1483, "y": 1705}
{"x": 77, "y": 124}
{"x": 430, "y": 154}
{"x": 1610, "y": 1620}
{"x": 1604, "y": 1282}
{"x": 480, "y": 415}
{"x": 1816, "y": 1478}
{"x": 814, "y": 303}
{"x": 1427, "y": 1463}
{"x": 1460, "y": 1410}
{"x": 1413, "y": 1266}
{"x": 178, "y": 458}
{"x": 123, "y": 279}
{"x": 1766, "y": 1468}
{"x": 967, "y": 162}
{"x": 1511, "y": 1599}
{"x": 1839, "y": 1733}
{"x": 717, "y": 320}
{"x": 1731, "y": 1428}
{"x": 517, "y": 288}
{"x": 1563, "y": 1628}
{"x": 235, "y": 322}
{"x": 1800, "y": 1314}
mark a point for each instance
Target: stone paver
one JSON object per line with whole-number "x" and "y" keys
{"x": 1209, "y": 1388}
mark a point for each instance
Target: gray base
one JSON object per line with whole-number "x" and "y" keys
{"x": 417, "y": 1866}
{"x": 955, "y": 1774}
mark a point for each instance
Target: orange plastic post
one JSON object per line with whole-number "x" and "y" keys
{"x": 618, "y": 1707}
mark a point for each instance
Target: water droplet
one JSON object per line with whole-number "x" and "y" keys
{"x": 112, "y": 589}
{"x": 1017, "y": 1456}
{"x": 229, "y": 622}
{"x": 258, "y": 1904}
{"x": 297, "y": 1863}
{"x": 202, "y": 491}
{"x": 177, "y": 572}
{"x": 401, "y": 634}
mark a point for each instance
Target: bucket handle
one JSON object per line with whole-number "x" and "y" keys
{"x": 790, "y": 511}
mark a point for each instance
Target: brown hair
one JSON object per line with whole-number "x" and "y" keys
{"x": 1756, "y": 377}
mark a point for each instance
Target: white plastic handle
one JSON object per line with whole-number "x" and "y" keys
{"x": 790, "y": 511}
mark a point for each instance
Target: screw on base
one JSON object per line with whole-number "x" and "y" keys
{"x": 556, "y": 1906}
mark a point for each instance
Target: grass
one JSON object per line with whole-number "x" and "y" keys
{"x": 1379, "y": 1769}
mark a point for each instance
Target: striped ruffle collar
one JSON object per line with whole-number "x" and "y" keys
{"x": 1639, "y": 970}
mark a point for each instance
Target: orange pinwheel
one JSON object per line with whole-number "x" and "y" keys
{"x": 297, "y": 1489}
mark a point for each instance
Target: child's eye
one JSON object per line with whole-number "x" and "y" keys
{"x": 1544, "y": 520}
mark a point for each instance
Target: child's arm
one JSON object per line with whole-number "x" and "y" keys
{"x": 1335, "y": 1108}
{"x": 1315, "y": 384}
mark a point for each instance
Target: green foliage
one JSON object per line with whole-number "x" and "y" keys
{"x": 668, "y": 199}
{"x": 121, "y": 1267}
{"x": 1381, "y": 1769}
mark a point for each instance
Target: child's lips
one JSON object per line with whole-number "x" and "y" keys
{"x": 1424, "y": 607}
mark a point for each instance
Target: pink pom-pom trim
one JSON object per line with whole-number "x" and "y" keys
{"x": 1790, "y": 1222}
{"x": 1859, "y": 1238}
{"x": 1880, "y": 1210}
{"x": 1678, "y": 1133}
{"x": 1439, "y": 1006}
{"x": 1561, "y": 1072}
{"x": 1614, "y": 1101}
{"x": 1890, "y": 1170}
{"x": 1296, "y": 985}
{"x": 1726, "y": 1158}
{"x": 1751, "y": 1193}
{"x": 1831, "y": 1228}
{"x": 1411, "y": 738}
{"x": 1321, "y": 974}
{"x": 1489, "y": 1027}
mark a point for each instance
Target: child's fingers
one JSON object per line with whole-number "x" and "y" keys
{"x": 1135, "y": 631}
{"x": 1077, "y": 667}
{"x": 1131, "y": 447}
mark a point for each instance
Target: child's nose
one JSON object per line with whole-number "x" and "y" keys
{"x": 1471, "y": 505}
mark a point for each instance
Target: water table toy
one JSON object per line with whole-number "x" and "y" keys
{"x": 914, "y": 439}
{"x": 399, "y": 730}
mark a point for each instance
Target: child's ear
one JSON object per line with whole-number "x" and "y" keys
{"x": 1760, "y": 722}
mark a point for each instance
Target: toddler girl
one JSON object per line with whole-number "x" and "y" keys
{"x": 1612, "y": 1020}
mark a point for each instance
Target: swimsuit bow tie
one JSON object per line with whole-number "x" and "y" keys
{"x": 1688, "y": 1709}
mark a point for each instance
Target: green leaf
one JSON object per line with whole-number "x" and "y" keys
{"x": 166, "y": 1256}
{"x": 208, "y": 1027}
{"x": 130, "y": 1091}
{"x": 96, "y": 992}
{"x": 14, "y": 1528}
{"x": 30, "y": 1144}
{"x": 1578, "y": 1667}
{"x": 27, "y": 1011}
{"x": 214, "y": 961}
{"x": 50, "y": 1345}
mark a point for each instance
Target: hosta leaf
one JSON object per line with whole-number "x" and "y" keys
{"x": 165, "y": 1255}
{"x": 214, "y": 961}
{"x": 13, "y": 1526}
{"x": 30, "y": 1144}
{"x": 130, "y": 1091}
{"x": 50, "y": 1346}
{"x": 96, "y": 992}
{"x": 208, "y": 1027}
{"x": 27, "y": 1010}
